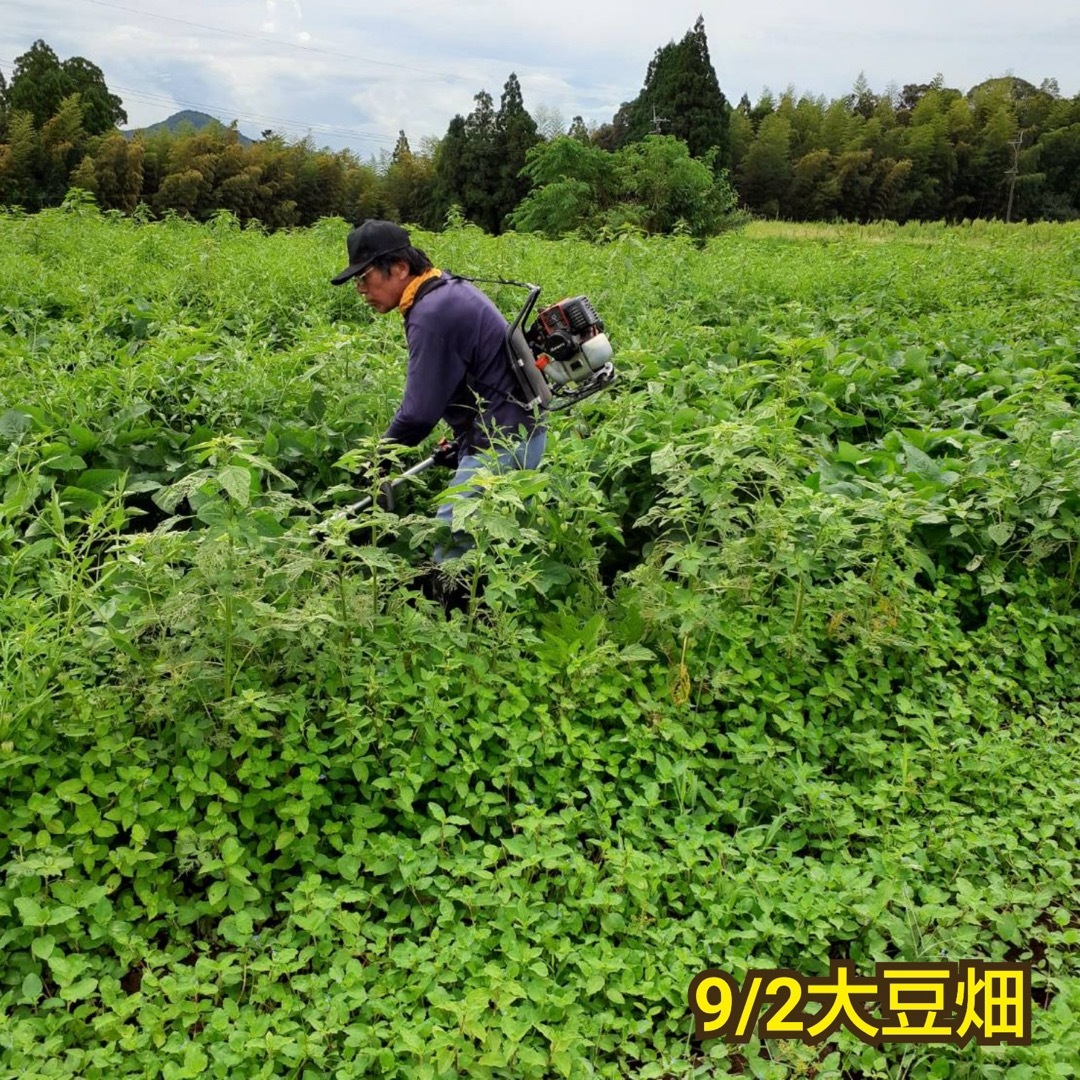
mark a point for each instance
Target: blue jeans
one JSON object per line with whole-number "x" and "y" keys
{"x": 524, "y": 455}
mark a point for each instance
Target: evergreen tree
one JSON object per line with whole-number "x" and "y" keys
{"x": 362, "y": 196}
{"x": 320, "y": 182}
{"x": 515, "y": 134}
{"x": 682, "y": 96}
{"x": 3, "y": 107}
{"x": 1009, "y": 147}
{"x": 277, "y": 182}
{"x": 578, "y": 130}
{"x": 155, "y": 161}
{"x": 839, "y": 128}
{"x": 102, "y": 110}
{"x": 237, "y": 183}
{"x": 402, "y": 152}
{"x": 408, "y": 185}
{"x": 451, "y": 168}
{"x": 912, "y": 94}
{"x": 482, "y": 165}
{"x": 479, "y": 158}
{"x": 37, "y": 83}
{"x": 84, "y": 177}
{"x": 40, "y": 82}
{"x": 611, "y": 136}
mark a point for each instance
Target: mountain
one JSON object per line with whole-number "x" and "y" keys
{"x": 197, "y": 120}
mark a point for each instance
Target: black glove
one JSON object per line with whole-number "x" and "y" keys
{"x": 446, "y": 454}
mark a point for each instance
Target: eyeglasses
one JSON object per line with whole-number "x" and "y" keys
{"x": 358, "y": 280}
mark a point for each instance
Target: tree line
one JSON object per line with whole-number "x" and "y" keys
{"x": 677, "y": 157}
{"x": 1006, "y": 149}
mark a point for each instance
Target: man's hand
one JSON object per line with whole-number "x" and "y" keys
{"x": 446, "y": 454}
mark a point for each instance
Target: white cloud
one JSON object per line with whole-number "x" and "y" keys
{"x": 372, "y": 70}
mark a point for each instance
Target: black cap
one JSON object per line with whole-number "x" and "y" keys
{"x": 367, "y": 242}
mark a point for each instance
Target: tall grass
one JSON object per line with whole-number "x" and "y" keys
{"x": 773, "y": 661}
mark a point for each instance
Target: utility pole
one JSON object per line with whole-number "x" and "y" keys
{"x": 1013, "y": 172}
{"x": 657, "y": 121}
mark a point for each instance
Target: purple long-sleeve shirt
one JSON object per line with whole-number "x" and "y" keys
{"x": 458, "y": 369}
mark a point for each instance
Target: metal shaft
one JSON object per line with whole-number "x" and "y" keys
{"x": 363, "y": 504}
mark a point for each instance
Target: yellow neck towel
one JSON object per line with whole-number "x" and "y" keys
{"x": 408, "y": 297}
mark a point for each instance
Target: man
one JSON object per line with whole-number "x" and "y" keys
{"x": 458, "y": 369}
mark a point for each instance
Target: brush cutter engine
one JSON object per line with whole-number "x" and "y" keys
{"x": 564, "y": 356}
{"x": 570, "y": 345}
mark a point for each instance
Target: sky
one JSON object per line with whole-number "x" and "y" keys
{"x": 352, "y": 74}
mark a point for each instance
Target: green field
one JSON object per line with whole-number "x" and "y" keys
{"x": 774, "y": 661}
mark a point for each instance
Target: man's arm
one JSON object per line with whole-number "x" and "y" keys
{"x": 434, "y": 373}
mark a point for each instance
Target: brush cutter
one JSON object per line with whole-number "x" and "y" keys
{"x": 385, "y": 496}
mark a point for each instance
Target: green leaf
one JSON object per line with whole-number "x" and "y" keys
{"x": 30, "y": 910}
{"x": 195, "y": 1061}
{"x": 80, "y": 498}
{"x": 63, "y": 461}
{"x": 851, "y": 455}
{"x": 42, "y": 947}
{"x": 31, "y": 987}
{"x": 14, "y": 422}
{"x": 85, "y": 440}
{"x": 920, "y": 463}
{"x": 231, "y": 851}
{"x": 62, "y": 913}
{"x": 236, "y": 480}
{"x": 100, "y": 480}
{"x": 78, "y": 991}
